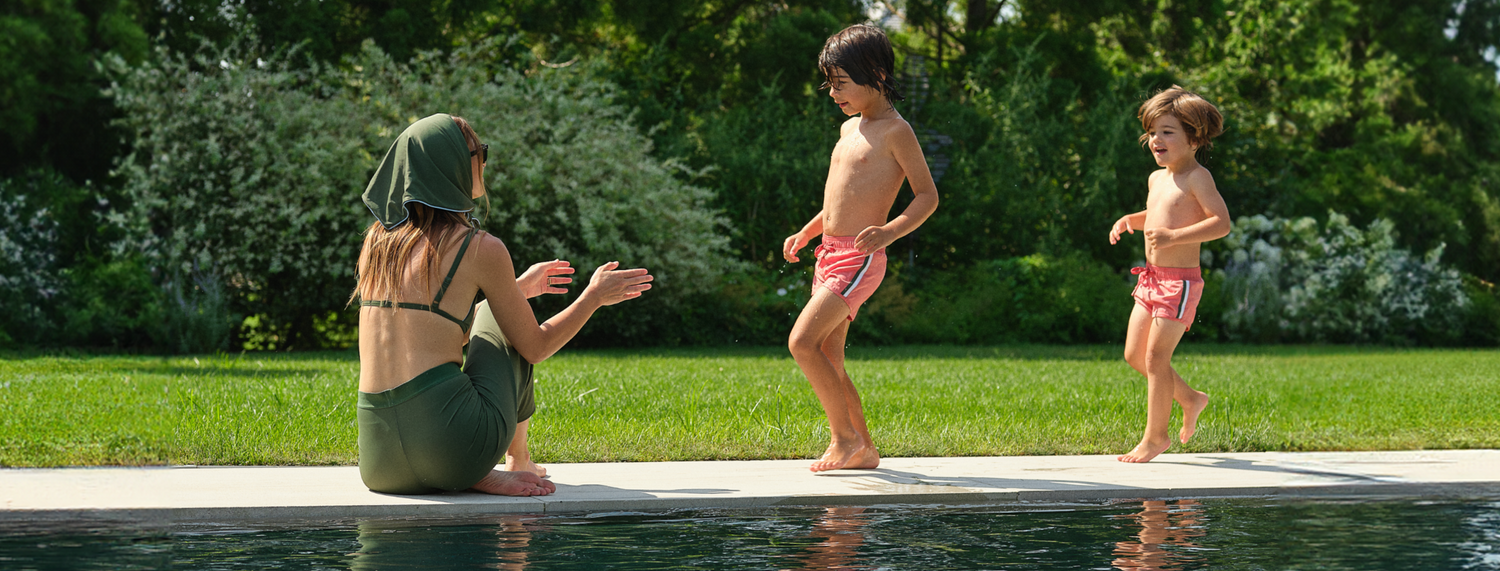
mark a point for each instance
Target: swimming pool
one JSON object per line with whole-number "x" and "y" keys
{"x": 1256, "y": 533}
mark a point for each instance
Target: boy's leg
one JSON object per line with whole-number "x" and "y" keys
{"x": 518, "y": 456}
{"x": 822, "y": 315}
{"x": 1137, "y": 338}
{"x": 1161, "y": 383}
{"x": 1192, "y": 401}
{"x": 833, "y": 348}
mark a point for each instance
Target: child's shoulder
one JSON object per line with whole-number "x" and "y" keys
{"x": 849, "y": 125}
{"x": 1200, "y": 179}
{"x": 1196, "y": 177}
{"x": 880, "y": 127}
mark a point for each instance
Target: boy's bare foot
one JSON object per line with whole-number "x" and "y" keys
{"x": 1190, "y": 411}
{"x": 856, "y": 457}
{"x": 1145, "y": 451}
{"x": 514, "y": 484}
{"x": 513, "y": 465}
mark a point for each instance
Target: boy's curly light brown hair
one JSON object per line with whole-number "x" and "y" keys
{"x": 1199, "y": 118}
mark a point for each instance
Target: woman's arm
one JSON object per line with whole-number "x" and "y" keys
{"x": 545, "y": 277}
{"x": 536, "y": 342}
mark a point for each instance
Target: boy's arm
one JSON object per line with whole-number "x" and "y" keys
{"x": 908, "y": 153}
{"x": 796, "y": 242}
{"x": 1127, "y": 223}
{"x": 1214, "y": 225}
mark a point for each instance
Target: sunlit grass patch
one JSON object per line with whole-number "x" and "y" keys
{"x": 709, "y": 404}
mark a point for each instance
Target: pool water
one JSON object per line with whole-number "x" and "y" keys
{"x": 1172, "y": 534}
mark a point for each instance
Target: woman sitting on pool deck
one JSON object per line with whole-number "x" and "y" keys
{"x": 432, "y": 417}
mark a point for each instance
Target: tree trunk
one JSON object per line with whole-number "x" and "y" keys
{"x": 980, "y": 15}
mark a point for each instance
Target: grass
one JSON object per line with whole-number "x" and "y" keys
{"x": 707, "y": 404}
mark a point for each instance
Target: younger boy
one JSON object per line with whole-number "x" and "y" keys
{"x": 876, "y": 151}
{"x": 1183, "y": 210}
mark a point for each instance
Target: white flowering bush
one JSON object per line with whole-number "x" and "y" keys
{"x": 28, "y": 261}
{"x": 57, "y": 285}
{"x": 1292, "y": 279}
{"x": 248, "y": 171}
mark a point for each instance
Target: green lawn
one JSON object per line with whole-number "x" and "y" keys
{"x": 753, "y": 403}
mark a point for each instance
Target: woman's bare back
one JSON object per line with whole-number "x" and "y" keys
{"x": 396, "y": 345}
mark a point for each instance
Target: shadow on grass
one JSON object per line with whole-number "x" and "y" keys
{"x": 1004, "y": 352}
{"x": 241, "y": 365}
{"x": 245, "y": 372}
{"x": 74, "y": 353}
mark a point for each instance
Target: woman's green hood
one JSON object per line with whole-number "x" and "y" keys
{"x": 429, "y": 163}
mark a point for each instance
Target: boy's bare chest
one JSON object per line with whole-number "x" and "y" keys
{"x": 1167, "y": 203}
{"x": 857, "y": 150}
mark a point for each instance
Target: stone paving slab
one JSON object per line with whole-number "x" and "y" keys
{"x": 227, "y": 494}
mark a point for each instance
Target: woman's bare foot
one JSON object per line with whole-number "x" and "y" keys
{"x": 1145, "y": 451}
{"x": 518, "y": 456}
{"x": 1190, "y": 411}
{"x": 856, "y": 457}
{"x": 514, "y": 484}
{"x": 513, "y": 465}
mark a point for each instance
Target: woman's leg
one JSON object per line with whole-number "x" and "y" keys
{"x": 503, "y": 381}
{"x": 518, "y": 457}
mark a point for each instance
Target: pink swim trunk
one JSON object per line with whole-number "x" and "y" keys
{"x": 843, "y": 270}
{"x": 1172, "y": 293}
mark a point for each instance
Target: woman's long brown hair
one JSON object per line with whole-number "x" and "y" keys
{"x": 388, "y": 254}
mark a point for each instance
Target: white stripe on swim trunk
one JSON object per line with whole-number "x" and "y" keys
{"x": 858, "y": 276}
{"x": 1187, "y": 288}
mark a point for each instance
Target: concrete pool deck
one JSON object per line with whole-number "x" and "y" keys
{"x": 228, "y": 493}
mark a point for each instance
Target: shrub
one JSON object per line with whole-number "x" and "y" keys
{"x": 112, "y": 302}
{"x": 1032, "y": 299}
{"x": 1037, "y": 166}
{"x": 246, "y": 173}
{"x": 196, "y": 316}
{"x": 29, "y": 276}
{"x": 58, "y": 284}
{"x": 570, "y": 177}
{"x": 1482, "y": 324}
{"x": 1290, "y": 280}
{"x": 243, "y": 169}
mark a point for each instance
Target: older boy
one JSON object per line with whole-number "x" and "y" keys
{"x": 876, "y": 151}
{"x": 1183, "y": 210}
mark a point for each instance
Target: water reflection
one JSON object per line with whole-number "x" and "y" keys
{"x": 1166, "y": 537}
{"x": 1484, "y": 529}
{"x": 841, "y": 530}
{"x": 396, "y": 544}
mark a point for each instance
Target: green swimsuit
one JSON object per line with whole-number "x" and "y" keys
{"x": 448, "y": 427}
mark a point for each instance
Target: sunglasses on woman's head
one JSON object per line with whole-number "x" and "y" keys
{"x": 483, "y": 152}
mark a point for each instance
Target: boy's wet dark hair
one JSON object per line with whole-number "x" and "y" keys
{"x": 864, "y": 53}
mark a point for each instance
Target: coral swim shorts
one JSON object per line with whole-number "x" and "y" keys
{"x": 1171, "y": 293}
{"x": 843, "y": 270}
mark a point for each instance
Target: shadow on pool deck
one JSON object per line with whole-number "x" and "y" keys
{"x": 237, "y": 493}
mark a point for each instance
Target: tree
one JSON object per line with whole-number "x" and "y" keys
{"x": 52, "y": 108}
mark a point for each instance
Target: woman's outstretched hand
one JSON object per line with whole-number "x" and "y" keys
{"x": 610, "y": 286}
{"x": 545, "y": 277}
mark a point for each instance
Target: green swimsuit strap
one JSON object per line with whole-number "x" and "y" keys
{"x": 469, "y": 319}
{"x": 464, "y": 323}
